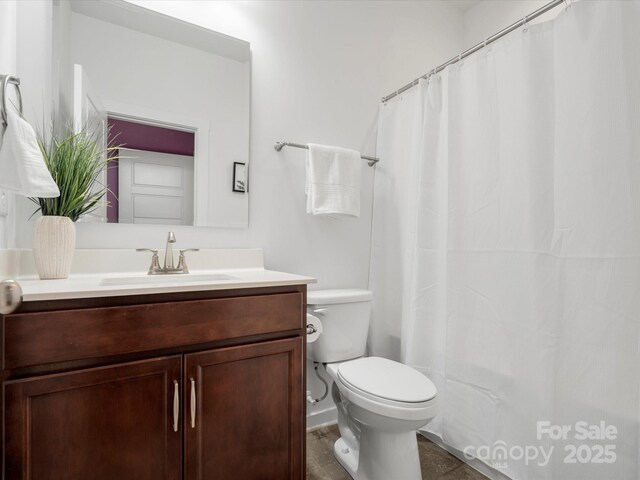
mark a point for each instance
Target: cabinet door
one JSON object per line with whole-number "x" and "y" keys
{"x": 107, "y": 423}
{"x": 245, "y": 415}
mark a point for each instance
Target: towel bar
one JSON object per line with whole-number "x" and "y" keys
{"x": 279, "y": 145}
{"x": 6, "y": 80}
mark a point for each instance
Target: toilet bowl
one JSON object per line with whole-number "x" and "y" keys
{"x": 380, "y": 403}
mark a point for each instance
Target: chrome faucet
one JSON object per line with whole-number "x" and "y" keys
{"x": 169, "y": 266}
{"x": 168, "y": 252}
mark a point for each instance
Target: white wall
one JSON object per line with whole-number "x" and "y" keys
{"x": 25, "y": 51}
{"x": 33, "y": 64}
{"x": 318, "y": 72}
{"x": 319, "y": 69}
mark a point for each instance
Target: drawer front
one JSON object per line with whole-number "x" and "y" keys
{"x": 50, "y": 337}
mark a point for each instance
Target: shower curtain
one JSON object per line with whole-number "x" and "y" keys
{"x": 506, "y": 246}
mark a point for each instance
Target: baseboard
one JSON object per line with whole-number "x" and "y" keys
{"x": 322, "y": 418}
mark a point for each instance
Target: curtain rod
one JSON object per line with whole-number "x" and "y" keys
{"x": 479, "y": 46}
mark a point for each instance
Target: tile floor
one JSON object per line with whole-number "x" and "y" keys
{"x": 437, "y": 464}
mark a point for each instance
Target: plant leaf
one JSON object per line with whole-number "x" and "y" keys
{"x": 76, "y": 162}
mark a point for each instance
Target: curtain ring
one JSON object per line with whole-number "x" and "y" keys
{"x": 5, "y": 80}
{"x": 525, "y": 23}
{"x": 430, "y": 75}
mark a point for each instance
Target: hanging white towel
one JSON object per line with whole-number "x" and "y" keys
{"x": 22, "y": 167}
{"x": 333, "y": 181}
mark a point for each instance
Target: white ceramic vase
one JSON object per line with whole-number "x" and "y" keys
{"x": 54, "y": 243}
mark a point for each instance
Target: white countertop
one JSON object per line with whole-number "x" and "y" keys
{"x": 243, "y": 269}
{"x": 89, "y": 286}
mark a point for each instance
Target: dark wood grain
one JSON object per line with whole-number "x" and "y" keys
{"x": 99, "y": 424}
{"x": 74, "y": 409}
{"x": 302, "y": 425}
{"x": 66, "y": 335}
{"x": 250, "y": 412}
{"x": 60, "y": 367}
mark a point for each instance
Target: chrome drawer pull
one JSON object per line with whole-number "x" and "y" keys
{"x": 176, "y": 405}
{"x": 193, "y": 403}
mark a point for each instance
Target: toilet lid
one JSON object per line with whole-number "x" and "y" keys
{"x": 387, "y": 379}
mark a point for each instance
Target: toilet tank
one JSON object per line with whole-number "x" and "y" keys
{"x": 345, "y": 316}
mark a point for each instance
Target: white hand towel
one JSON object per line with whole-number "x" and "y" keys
{"x": 333, "y": 181}
{"x": 22, "y": 168}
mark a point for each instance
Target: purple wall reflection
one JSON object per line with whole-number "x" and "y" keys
{"x": 140, "y": 136}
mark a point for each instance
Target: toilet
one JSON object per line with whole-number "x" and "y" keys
{"x": 380, "y": 403}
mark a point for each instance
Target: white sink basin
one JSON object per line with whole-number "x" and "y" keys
{"x": 164, "y": 279}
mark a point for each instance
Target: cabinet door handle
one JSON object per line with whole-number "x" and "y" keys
{"x": 176, "y": 405}
{"x": 193, "y": 403}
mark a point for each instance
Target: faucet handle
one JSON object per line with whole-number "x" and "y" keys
{"x": 155, "y": 263}
{"x": 182, "y": 261}
{"x": 155, "y": 252}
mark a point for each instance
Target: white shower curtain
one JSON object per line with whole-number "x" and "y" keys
{"x": 506, "y": 245}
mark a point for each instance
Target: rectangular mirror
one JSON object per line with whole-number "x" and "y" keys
{"x": 173, "y": 95}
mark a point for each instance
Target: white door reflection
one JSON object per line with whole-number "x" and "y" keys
{"x": 155, "y": 188}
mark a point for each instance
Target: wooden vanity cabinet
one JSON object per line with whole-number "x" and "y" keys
{"x": 199, "y": 386}
{"x": 98, "y": 423}
{"x": 241, "y": 423}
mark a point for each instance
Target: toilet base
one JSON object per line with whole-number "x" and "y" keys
{"x": 346, "y": 457}
{"x": 382, "y": 456}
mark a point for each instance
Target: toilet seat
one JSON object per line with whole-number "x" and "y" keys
{"x": 382, "y": 406}
{"x": 387, "y": 381}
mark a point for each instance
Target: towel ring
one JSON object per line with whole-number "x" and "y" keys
{"x": 5, "y": 81}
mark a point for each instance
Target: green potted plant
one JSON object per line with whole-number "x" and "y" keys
{"x": 76, "y": 162}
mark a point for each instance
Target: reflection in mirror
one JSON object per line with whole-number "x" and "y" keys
{"x": 174, "y": 95}
{"x": 152, "y": 179}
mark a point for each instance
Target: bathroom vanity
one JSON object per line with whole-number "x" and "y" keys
{"x": 201, "y": 381}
